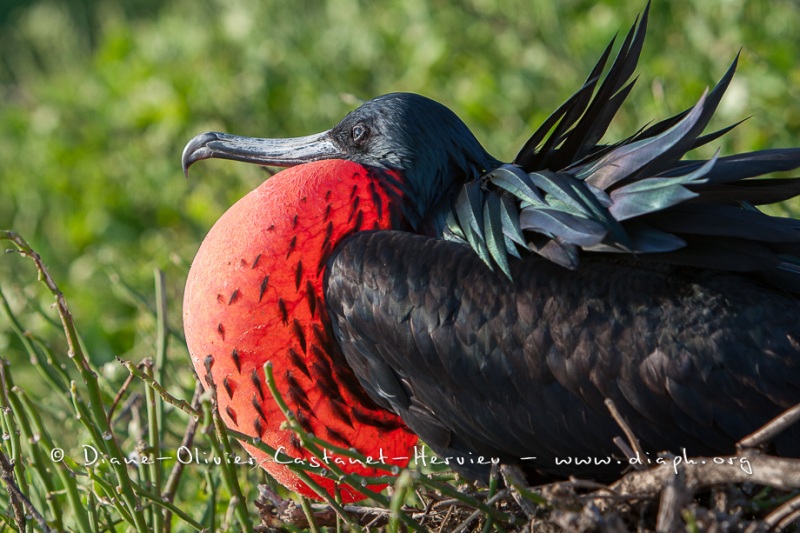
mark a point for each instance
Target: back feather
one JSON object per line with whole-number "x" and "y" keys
{"x": 565, "y": 195}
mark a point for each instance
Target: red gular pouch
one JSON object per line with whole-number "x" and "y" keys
{"x": 255, "y": 295}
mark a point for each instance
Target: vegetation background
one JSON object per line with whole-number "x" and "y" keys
{"x": 98, "y": 98}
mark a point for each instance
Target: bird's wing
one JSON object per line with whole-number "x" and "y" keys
{"x": 565, "y": 195}
{"x": 478, "y": 364}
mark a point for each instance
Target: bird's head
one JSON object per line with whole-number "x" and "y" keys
{"x": 415, "y": 138}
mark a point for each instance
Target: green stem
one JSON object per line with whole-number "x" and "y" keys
{"x": 402, "y": 485}
{"x": 78, "y": 357}
{"x": 225, "y": 451}
{"x": 13, "y": 472}
{"x": 112, "y": 495}
{"x": 162, "y": 338}
{"x": 148, "y": 378}
{"x": 171, "y": 486}
{"x": 342, "y": 476}
{"x": 138, "y": 300}
{"x": 493, "y": 479}
{"x": 312, "y": 522}
{"x": 38, "y": 461}
{"x": 154, "y": 441}
{"x": 57, "y": 379}
{"x": 117, "y": 462}
{"x": 171, "y": 507}
{"x": 19, "y": 402}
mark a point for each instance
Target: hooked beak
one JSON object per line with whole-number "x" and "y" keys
{"x": 267, "y": 152}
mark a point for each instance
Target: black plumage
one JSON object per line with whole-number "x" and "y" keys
{"x": 591, "y": 272}
{"x": 476, "y": 363}
{"x": 521, "y": 296}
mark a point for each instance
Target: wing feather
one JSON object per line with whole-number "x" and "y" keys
{"x": 575, "y": 198}
{"x": 519, "y": 367}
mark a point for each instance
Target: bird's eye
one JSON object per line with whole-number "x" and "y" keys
{"x": 360, "y": 133}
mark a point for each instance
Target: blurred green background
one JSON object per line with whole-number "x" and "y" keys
{"x": 97, "y": 99}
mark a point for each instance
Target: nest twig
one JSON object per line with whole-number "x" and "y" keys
{"x": 723, "y": 493}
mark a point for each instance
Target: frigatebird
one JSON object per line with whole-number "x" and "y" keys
{"x": 405, "y": 282}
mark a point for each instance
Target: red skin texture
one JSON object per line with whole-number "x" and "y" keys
{"x": 254, "y": 294}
